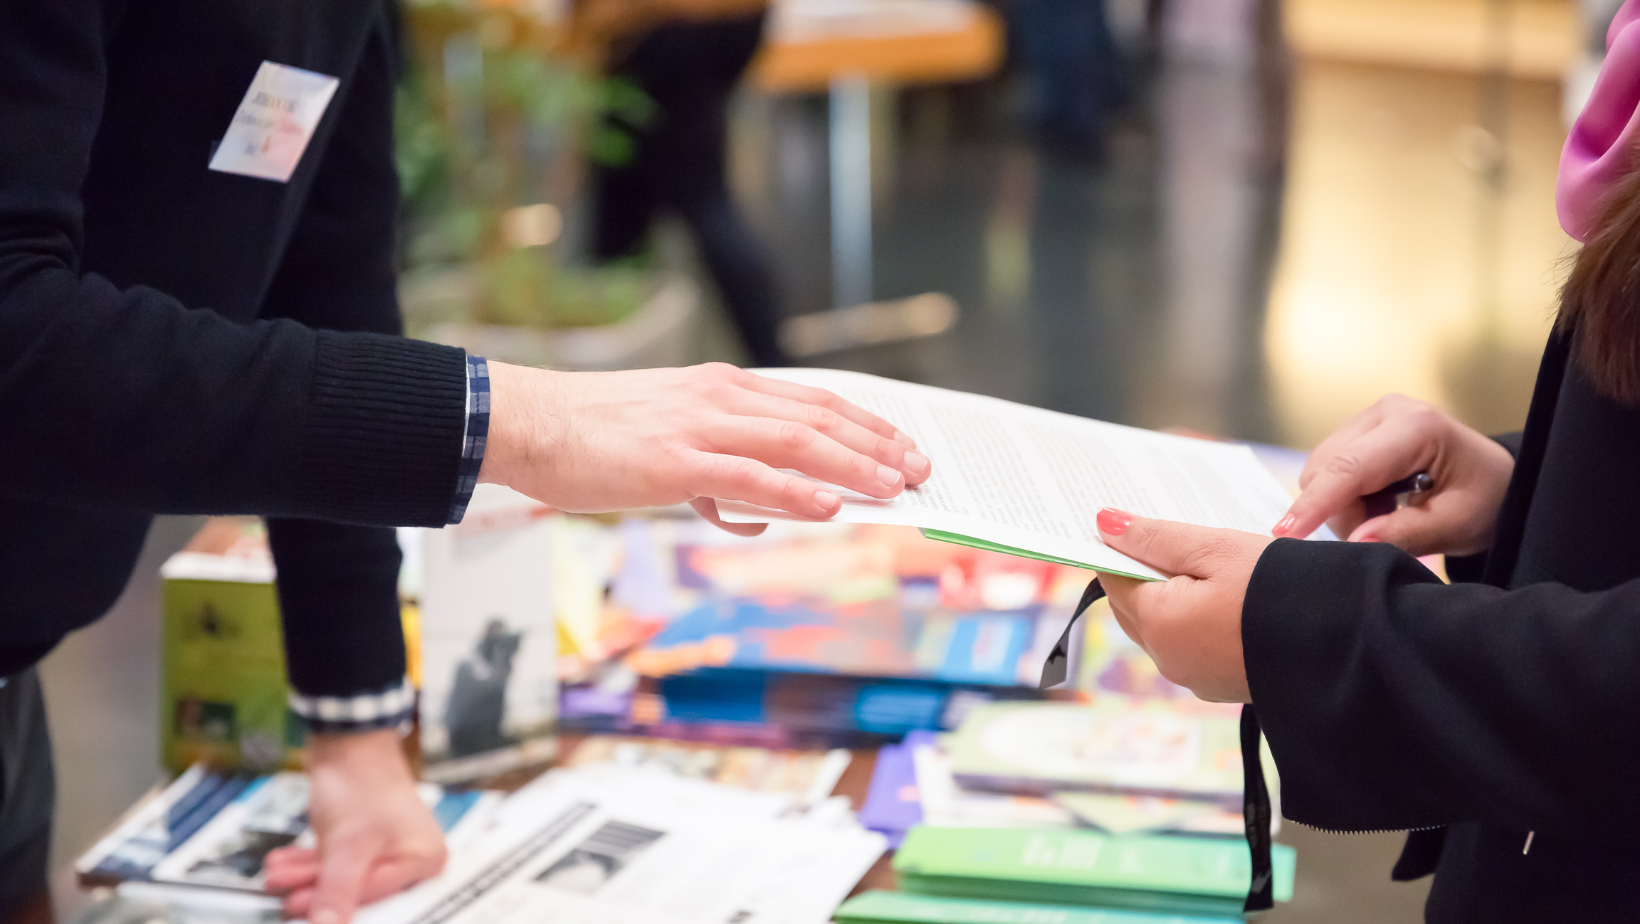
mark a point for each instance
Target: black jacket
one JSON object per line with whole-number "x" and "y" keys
{"x": 178, "y": 340}
{"x": 1481, "y": 712}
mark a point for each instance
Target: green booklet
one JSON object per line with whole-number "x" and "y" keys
{"x": 971, "y": 542}
{"x": 1114, "y": 745}
{"x": 1180, "y": 875}
{"x": 877, "y": 907}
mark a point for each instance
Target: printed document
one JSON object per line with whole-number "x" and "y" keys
{"x": 1032, "y": 481}
{"x": 608, "y": 845}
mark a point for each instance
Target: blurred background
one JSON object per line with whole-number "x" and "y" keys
{"x": 1249, "y": 218}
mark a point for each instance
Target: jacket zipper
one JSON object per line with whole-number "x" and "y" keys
{"x": 1304, "y": 824}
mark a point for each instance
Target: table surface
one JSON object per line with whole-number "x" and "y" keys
{"x": 969, "y": 52}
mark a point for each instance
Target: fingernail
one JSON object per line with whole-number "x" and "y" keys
{"x": 890, "y": 477}
{"x": 1285, "y": 526}
{"x": 825, "y": 499}
{"x": 324, "y": 916}
{"x": 1114, "y": 522}
{"x": 1369, "y": 537}
{"x": 917, "y": 462}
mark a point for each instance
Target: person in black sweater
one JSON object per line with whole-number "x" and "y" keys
{"x": 1492, "y": 717}
{"x": 198, "y": 319}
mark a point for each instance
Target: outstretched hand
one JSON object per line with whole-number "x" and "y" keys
{"x": 1190, "y": 624}
{"x": 599, "y": 441}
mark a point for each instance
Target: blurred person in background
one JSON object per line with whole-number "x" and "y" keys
{"x": 1494, "y": 717}
{"x": 1074, "y": 78}
{"x": 198, "y": 315}
{"x": 687, "y": 56}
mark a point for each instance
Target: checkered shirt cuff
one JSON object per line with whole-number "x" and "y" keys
{"x": 472, "y": 441}
{"x": 390, "y": 708}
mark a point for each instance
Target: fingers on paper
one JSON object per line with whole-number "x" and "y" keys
{"x": 735, "y": 477}
{"x": 794, "y": 445}
{"x": 290, "y": 868}
{"x": 838, "y": 427}
{"x": 342, "y": 871}
{"x": 384, "y": 878}
{"x": 820, "y": 397}
{"x": 1169, "y": 547}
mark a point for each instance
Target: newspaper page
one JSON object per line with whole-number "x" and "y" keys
{"x": 1035, "y": 480}
{"x": 605, "y": 851}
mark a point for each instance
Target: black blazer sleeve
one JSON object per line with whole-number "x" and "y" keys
{"x": 129, "y": 400}
{"x": 1393, "y": 701}
{"x": 338, "y": 584}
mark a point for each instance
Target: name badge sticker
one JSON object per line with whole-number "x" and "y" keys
{"x": 274, "y": 123}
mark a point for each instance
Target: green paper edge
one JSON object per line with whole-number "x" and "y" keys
{"x": 988, "y": 546}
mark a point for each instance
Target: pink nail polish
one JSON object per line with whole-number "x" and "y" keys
{"x": 1285, "y": 526}
{"x": 1114, "y": 522}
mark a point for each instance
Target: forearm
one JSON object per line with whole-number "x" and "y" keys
{"x": 1392, "y": 700}
{"x": 129, "y": 401}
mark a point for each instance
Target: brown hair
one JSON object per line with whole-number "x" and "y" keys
{"x": 1601, "y": 298}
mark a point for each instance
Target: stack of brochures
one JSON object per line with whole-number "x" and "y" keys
{"x": 807, "y": 776}
{"x": 1159, "y": 874}
{"x": 830, "y": 634}
{"x": 1120, "y": 765}
{"x": 877, "y": 907}
{"x": 1117, "y": 809}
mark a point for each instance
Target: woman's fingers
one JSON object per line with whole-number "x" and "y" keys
{"x": 739, "y": 478}
{"x": 1347, "y": 432}
{"x": 1357, "y": 468}
{"x": 1417, "y": 529}
{"x": 1123, "y": 593}
{"x": 819, "y": 397}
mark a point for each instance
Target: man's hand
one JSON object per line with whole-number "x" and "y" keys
{"x": 376, "y": 837}
{"x": 1394, "y": 438}
{"x": 1190, "y": 625}
{"x": 589, "y": 442}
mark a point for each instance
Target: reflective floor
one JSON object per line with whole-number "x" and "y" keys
{"x": 1253, "y": 257}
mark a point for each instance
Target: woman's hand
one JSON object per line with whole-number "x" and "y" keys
{"x": 599, "y": 441}
{"x": 1190, "y": 625}
{"x": 376, "y": 837}
{"x": 1391, "y": 440}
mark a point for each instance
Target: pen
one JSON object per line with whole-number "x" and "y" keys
{"x": 1398, "y": 494}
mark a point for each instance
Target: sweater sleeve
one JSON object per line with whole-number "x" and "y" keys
{"x": 129, "y": 400}
{"x": 338, "y": 583}
{"x": 1391, "y": 700}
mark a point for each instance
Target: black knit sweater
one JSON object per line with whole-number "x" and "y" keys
{"x": 178, "y": 340}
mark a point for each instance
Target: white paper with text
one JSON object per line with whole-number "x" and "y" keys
{"x": 1035, "y": 479}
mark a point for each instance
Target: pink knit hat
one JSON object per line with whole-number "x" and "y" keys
{"x": 1605, "y": 141}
